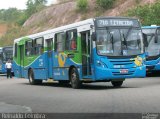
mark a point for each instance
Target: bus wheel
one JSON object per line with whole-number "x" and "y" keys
{"x": 117, "y": 83}
{"x": 74, "y": 78}
{"x": 32, "y": 81}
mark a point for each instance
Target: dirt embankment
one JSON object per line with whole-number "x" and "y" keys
{"x": 3, "y": 29}
{"x": 66, "y": 13}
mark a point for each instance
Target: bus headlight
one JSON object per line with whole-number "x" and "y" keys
{"x": 101, "y": 64}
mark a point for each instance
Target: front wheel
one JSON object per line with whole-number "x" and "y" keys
{"x": 32, "y": 81}
{"x": 74, "y": 78}
{"x": 117, "y": 83}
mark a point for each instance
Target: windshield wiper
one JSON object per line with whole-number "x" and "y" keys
{"x": 111, "y": 38}
{"x": 150, "y": 37}
{"x": 124, "y": 41}
{"x": 128, "y": 32}
{"x": 126, "y": 38}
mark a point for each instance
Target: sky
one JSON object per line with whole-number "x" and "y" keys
{"x": 19, "y": 4}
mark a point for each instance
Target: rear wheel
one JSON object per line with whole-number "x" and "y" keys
{"x": 32, "y": 81}
{"x": 117, "y": 83}
{"x": 74, "y": 78}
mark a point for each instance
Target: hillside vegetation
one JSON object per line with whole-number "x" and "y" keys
{"x": 70, "y": 11}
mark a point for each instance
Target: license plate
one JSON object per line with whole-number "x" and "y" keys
{"x": 124, "y": 71}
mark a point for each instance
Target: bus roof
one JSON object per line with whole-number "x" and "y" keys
{"x": 54, "y": 30}
{"x": 150, "y": 27}
{"x": 70, "y": 26}
{"x": 116, "y": 18}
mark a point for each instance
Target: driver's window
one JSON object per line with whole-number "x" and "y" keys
{"x": 115, "y": 36}
{"x": 104, "y": 44}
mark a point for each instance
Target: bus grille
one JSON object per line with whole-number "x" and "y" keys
{"x": 123, "y": 64}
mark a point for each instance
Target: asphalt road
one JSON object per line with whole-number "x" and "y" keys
{"x": 135, "y": 96}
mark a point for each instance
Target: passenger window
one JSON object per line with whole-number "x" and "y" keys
{"x": 38, "y": 46}
{"x": 29, "y": 48}
{"x": 71, "y": 40}
{"x": 60, "y": 42}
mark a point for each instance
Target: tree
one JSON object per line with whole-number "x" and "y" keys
{"x": 105, "y": 4}
{"x": 82, "y": 5}
{"x": 10, "y": 15}
{"x": 34, "y": 6}
{"x": 148, "y": 14}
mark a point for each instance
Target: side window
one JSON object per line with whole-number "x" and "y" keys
{"x": 29, "y": 48}
{"x": 38, "y": 46}
{"x": 15, "y": 50}
{"x": 60, "y": 42}
{"x": 71, "y": 40}
{"x": 49, "y": 44}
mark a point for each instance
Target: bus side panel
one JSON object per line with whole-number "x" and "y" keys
{"x": 60, "y": 72}
{"x": 2, "y": 68}
{"x": 62, "y": 65}
{"x": 16, "y": 69}
{"x": 40, "y": 74}
{"x": 38, "y": 65}
{"x": 16, "y": 63}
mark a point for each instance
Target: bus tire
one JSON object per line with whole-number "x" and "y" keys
{"x": 74, "y": 79}
{"x": 117, "y": 83}
{"x": 32, "y": 81}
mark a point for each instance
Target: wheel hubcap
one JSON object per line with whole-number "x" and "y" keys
{"x": 74, "y": 76}
{"x": 31, "y": 78}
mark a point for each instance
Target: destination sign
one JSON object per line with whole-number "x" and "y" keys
{"x": 117, "y": 22}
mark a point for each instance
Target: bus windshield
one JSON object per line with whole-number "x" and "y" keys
{"x": 119, "y": 42}
{"x": 153, "y": 48}
{"x": 7, "y": 54}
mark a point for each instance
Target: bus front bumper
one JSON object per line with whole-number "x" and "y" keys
{"x": 108, "y": 74}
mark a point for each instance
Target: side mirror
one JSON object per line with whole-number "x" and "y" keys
{"x": 156, "y": 39}
{"x": 93, "y": 36}
{"x": 145, "y": 40}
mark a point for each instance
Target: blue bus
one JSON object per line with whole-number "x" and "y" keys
{"x": 152, "y": 47}
{"x": 104, "y": 49}
{"x": 0, "y": 59}
{"x": 5, "y": 54}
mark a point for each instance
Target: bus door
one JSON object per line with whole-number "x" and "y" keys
{"x": 21, "y": 47}
{"x": 49, "y": 44}
{"x": 86, "y": 53}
